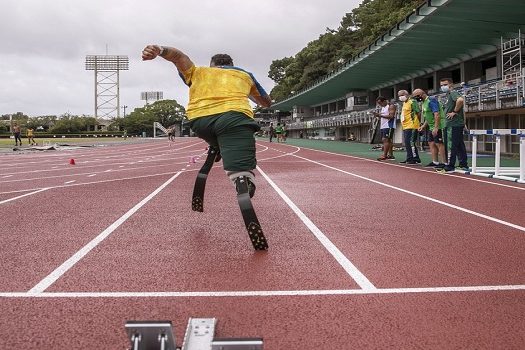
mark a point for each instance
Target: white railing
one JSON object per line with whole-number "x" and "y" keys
{"x": 340, "y": 119}
{"x": 157, "y": 125}
{"x": 495, "y": 95}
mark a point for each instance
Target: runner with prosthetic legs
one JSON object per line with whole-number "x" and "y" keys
{"x": 220, "y": 113}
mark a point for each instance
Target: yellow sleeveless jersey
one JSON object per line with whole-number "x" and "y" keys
{"x": 215, "y": 90}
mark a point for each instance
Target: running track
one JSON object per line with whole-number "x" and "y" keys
{"x": 363, "y": 254}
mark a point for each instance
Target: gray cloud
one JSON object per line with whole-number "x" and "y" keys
{"x": 44, "y": 44}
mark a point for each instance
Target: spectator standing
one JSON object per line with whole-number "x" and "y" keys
{"x": 410, "y": 117}
{"x": 455, "y": 123}
{"x": 387, "y": 113}
{"x": 16, "y": 133}
{"x": 271, "y": 132}
{"x": 30, "y": 136}
{"x": 434, "y": 119}
{"x": 278, "y": 132}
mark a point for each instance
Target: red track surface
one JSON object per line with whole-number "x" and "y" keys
{"x": 425, "y": 260}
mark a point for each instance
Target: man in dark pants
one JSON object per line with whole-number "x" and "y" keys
{"x": 218, "y": 108}
{"x": 16, "y": 133}
{"x": 410, "y": 117}
{"x": 387, "y": 112}
{"x": 271, "y": 132}
{"x": 456, "y": 124}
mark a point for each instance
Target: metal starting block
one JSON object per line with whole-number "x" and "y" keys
{"x": 158, "y": 335}
{"x": 146, "y": 335}
{"x": 237, "y": 344}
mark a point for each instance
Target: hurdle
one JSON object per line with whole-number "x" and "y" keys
{"x": 515, "y": 174}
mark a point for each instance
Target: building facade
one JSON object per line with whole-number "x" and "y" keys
{"x": 479, "y": 44}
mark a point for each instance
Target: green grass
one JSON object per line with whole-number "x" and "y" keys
{"x": 365, "y": 150}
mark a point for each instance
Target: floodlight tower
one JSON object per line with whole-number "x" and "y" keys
{"x": 151, "y": 95}
{"x": 107, "y": 90}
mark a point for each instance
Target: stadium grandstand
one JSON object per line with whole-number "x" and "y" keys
{"x": 479, "y": 44}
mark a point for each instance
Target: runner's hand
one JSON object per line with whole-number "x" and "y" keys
{"x": 150, "y": 52}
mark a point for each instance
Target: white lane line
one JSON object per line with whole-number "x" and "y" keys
{"x": 465, "y": 210}
{"x": 92, "y": 175}
{"x": 69, "y": 263}
{"x": 264, "y": 293}
{"x": 69, "y": 182}
{"x": 93, "y": 182}
{"x": 90, "y": 172}
{"x": 415, "y": 169}
{"x": 24, "y": 195}
{"x": 5, "y": 177}
{"x": 347, "y": 265}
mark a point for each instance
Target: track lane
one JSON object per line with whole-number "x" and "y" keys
{"x": 393, "y": 251}
{"x": 438, "y": 321}
{"x": 172, "y": 248}
{"x": 488, "y": 199}
{"x": 45, "y": 229}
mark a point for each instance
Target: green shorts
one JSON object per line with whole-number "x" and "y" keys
{"x": 233, "y": 133}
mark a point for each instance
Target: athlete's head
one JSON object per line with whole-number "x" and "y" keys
{"x": 221, "y": 59}
{"x": 419, "y": 95}
{"x": 382, "y": 101}
{"x": 403, "y": 95}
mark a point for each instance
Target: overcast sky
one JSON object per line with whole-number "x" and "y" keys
{"x": 43, "y": 44}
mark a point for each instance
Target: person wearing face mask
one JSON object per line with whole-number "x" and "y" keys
{"x": 455, "y": 123}
{"x": 410, "y": 116}
{"x": 434, "y": 118}
{"x": 387, "y": 113}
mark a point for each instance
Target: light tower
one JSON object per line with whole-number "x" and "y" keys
{"x": 151, "y": 96}
{"x": 107, "y": 90}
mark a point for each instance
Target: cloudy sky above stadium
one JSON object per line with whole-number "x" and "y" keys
{"x": 44, "y": 44}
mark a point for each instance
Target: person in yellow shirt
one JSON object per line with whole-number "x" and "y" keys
{"x": 219, "y": 112}
{"x": 30, "y": 136}
{"x": 410, "y": 117}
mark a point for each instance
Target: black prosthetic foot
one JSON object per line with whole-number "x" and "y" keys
{"x": 244, "y": 193}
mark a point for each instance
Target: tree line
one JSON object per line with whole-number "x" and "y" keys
{"x": 333, "y": 48}
{"x": 166, "y": 112}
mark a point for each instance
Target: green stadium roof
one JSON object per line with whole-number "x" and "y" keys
{"x": 437, "y": 35}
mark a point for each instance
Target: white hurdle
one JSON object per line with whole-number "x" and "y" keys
{"x": 497, "y": 171}
{"x": 522, "y": 155}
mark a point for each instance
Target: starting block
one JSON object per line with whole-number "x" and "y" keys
{"x": 158, "y": 335}
{"x": 146, "y": 335}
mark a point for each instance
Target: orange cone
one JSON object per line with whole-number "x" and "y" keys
{"x": 72, "y": 161}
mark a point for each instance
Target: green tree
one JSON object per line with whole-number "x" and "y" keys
{"x": 68, "y": 123}
{"x": 165, "y": 112}
{"x": 278, "y": 69}
{"x": 42, "y": 123}
{"x": 357, "y": 29}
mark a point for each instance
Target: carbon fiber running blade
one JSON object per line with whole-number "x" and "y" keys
{"x": 251, "y": 222}
{"x": 197, "y": 201}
